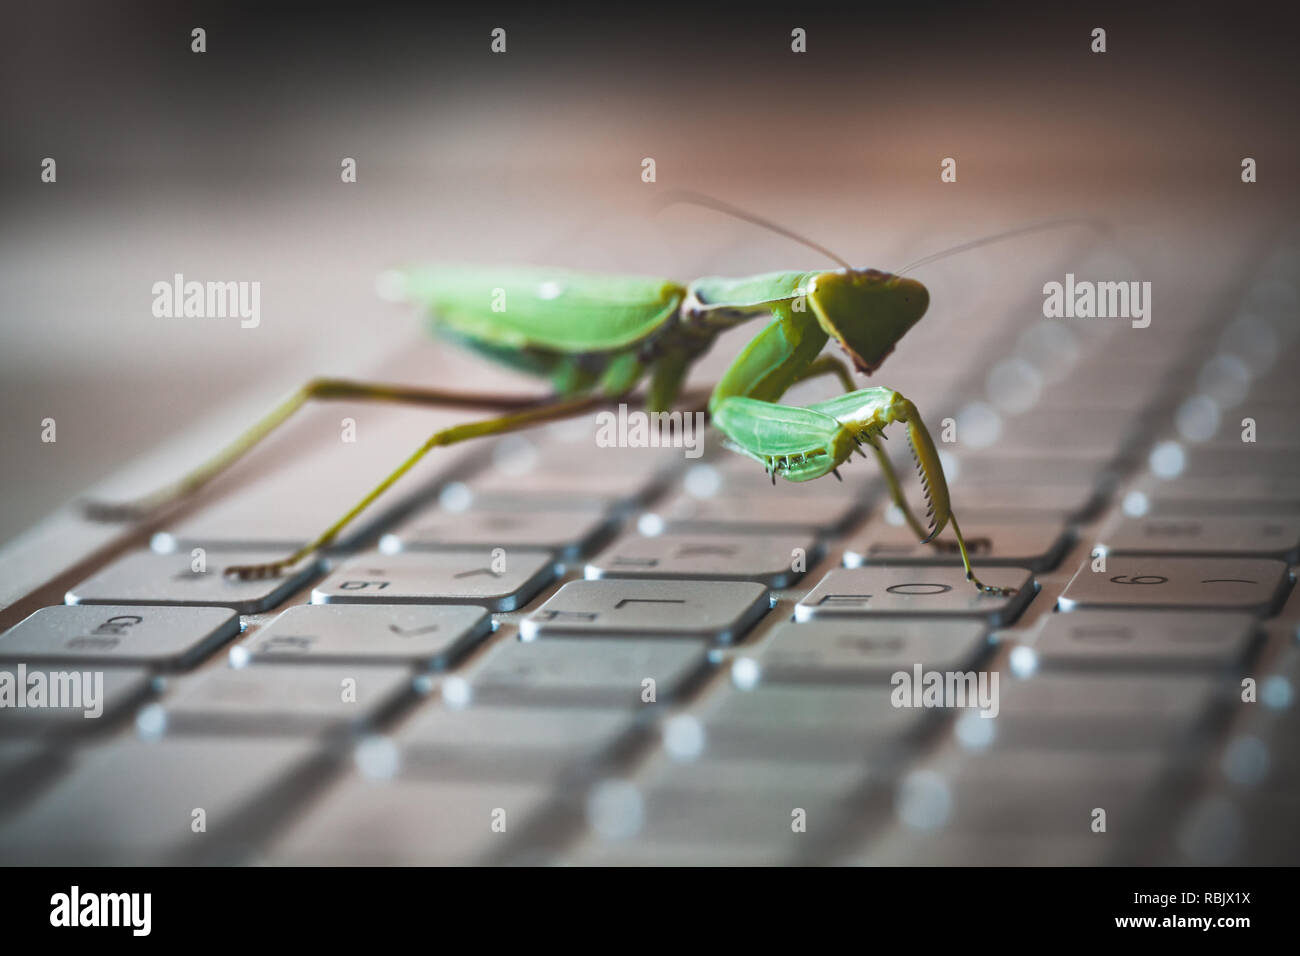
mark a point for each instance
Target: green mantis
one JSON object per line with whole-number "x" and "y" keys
{"x": 599, "y": 337}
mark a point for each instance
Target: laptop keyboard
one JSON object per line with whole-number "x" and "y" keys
{"x": 569, "y": 654}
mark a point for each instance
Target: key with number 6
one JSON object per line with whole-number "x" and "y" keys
{"x": 1255, "y": 585}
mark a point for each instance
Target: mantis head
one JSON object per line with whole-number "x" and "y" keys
{"x": 866, "y": 311}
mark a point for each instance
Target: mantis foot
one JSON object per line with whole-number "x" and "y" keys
{"x": 988, "y": 588}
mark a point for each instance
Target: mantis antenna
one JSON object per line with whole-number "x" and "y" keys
{"x": 689, "y": 197}
{"x": 1095, "y": 224}
{"x": 675, "y": 197}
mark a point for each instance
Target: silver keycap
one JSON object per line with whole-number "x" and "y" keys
{"x": 412, "y": 823}
{"x": 1039, "y": 432}
{"x": 137, "y": 802}
{"x": 1101, "y": 711}
{"x": 1276, "y": 426}
{"x": 1130, "y": 640}
{"x": 714, "y": 773}
{"x": 507, "y": 742}
{"x": 641, "y": 852}
{"x": 1238, "y": 584}
{"x": 1207, "y": 536}
{"x": 274, "y": 515}
{"x": 804, "y": 723}
{"x": 1055, "y": 467}
{"x": 867, "y": 651}
{"x": 1003, "y": 503}
{"x": 1275, "y": 420}
{"x": 566, "y": 534}
{"x": 498, "y": 582}
{"x": 26, "y": 765}
{"x": 714, "y": 610}
{"x": 676, "y": 810}
{"x": 1279, "y": 386}
{"x": 1244, "y": 459}
{"x": 534, "y": 501}
{"x": 434, "y": 636}
{"x": 1244, "y": 493}
{"x": 158, "y": 636}
{"x": 15, "y": 757}
{"x": 1101, "y": 387}
{"x": 89, "y": 695}
{"x": 775, "y": 560}
{"x": 1004, "y": 794}
{"x": 758, "y": 513}
{"x": 1254, "y": 829}
{"x": 535, "y": 470}
{"x": 597, "y": 672}
{"x": 285, "y": 698}
{"x": 1037, "y": 545}
{"x": 565, "y": 493}
{"x": 905, "y": 846}
{"x": 145, "y": 577}
{"x": 916, "y": 592}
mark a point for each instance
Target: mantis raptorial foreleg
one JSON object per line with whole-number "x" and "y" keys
{"x": 803, "y": 443}
{"x": 933, "y": 483}
{"x": 830, "y": 364}
{"x": 553, "y": 411}
{"x": 321, "y": 389}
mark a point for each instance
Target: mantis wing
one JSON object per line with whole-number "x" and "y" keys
{"x": 554, "y": 309}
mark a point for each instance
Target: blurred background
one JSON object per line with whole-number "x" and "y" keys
{"x": 226, "y": 166}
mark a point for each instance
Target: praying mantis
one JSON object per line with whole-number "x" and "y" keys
{"x": 597, "y": 337}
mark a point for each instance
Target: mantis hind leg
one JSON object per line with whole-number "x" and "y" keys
{"x": 322, "y": 389}
{"x": 516, "y": 421}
